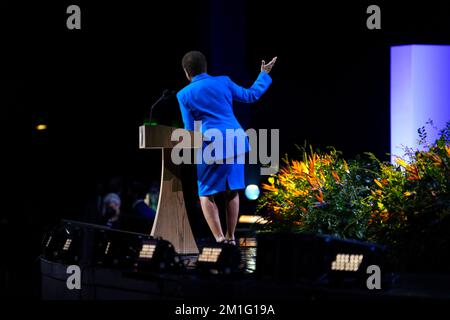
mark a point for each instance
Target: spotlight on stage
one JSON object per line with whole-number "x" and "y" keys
{"x": 113, "y": 248}
{"x": 133, "y": 251}
{"x": 347, "y": 262}
{"x": 319, "y": 259}
{"x": 86, "y": 244}
{"x": 62, "y": 244}
{"x": 41, "y": 127}
{"x": 252, "y": 192}
{"x": 157, "y": 255}
{"x": 219, "y": 259}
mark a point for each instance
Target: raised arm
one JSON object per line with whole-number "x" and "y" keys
{"x": 258, "y": 88}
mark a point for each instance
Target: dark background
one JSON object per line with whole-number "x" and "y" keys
{"x": 93, "y": 88}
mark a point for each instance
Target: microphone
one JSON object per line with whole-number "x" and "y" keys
{"x": 168, "y": 93}
{"x": 165, "y": 95}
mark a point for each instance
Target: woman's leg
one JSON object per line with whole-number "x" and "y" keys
{"x": 232, "y": 207}
{"x": 211, "y": 213}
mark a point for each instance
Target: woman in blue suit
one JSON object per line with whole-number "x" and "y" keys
{"x": 210, "y": 100}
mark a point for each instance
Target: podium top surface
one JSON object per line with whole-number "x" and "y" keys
{"x": 161, "y": 137}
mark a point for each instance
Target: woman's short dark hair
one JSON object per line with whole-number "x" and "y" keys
{"x": 194, "y": 62}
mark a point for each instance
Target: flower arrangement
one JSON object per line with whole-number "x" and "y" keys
{"x": 320, "y": 194}
{"x": 410, "y": 202}
{"x": 405, "y": 205}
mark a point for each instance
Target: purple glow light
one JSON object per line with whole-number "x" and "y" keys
{"x": 420, "y": 91}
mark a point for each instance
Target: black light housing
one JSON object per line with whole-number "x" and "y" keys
{"x": 319, "y": 259}
{"x": 84, "y": 244}
{"x": 219, "y": 259}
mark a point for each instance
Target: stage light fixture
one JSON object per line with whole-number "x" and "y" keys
{"x": 157, "y": 255}
{"x": 147, "y": 251}
{"x": 219, "y": 259}
{"x": 252, "y": 219}
{"x": 347, "y": 262}
{"x": 61, "y": 244}
{"x": 41, "y": 127}
{"x": 209, "y": 255}
{"x": 320, "y": 259}
{"x": 67, "y": 244}
{"x": 86, "y": 244}
{"x": 114, "y": 248}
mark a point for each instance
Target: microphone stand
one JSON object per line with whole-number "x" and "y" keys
{"x": 166, "y": 94}
{"x": 153, "y": 106}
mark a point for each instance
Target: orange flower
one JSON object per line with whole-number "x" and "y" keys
{"x": 413, "y": 173}
{"x": 335, "y": 176}
{"x": 447, "y": 148}
{"x": 319, "y": 196}
{"x": 437, "y": 160}
{"x": 313, "y": 182}
{"x": 298, "y": 193}
{"x": 378, "y": 183}
{"x": 269, "y": 187}
{"x": 289, "y": 202}
{"x": 277, "y": 209}
{"x": 326, "y": 160}
{"x": 384, "y": 215}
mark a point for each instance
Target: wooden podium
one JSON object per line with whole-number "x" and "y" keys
{"x": 171, "y": 221}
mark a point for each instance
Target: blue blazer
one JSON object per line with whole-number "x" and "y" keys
{"x": 210, "y": 100}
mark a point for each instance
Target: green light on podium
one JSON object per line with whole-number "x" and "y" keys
{"x": 153, "y": 123}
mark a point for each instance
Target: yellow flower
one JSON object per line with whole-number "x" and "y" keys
{"x": 401, "y": 162}
{"x": 304, "y": 167}
{"x": 271, "y": 180}
{"x": 346, "y": 167}
{"x": 407, "y": 194}
{"x": 299, "y": 168}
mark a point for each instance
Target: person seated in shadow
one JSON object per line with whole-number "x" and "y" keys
{"x": 141, "y": 217}
{"x": 111, "y": 211}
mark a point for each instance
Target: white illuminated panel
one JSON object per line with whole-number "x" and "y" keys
{"x": 147, "y": 251}
{"x": 420, "y": 91}
{"x": 67, "y": 244}
{"x": 209, "y": 254}
{"x": 347, "y": 262}
{"x": 108, "y": 245}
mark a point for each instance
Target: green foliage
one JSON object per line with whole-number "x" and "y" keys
{"x": 405, "y": 205}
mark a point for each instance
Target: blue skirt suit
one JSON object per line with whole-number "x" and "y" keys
{"x": 210, "y": 100}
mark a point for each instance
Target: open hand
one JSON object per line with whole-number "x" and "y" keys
{"x": 268, "y": 67}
